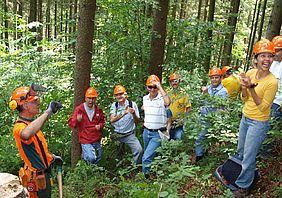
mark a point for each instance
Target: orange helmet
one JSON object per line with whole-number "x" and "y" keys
{"x": 91, "y": 93}
{"x": 151, "y": 79}
{"x": 215, "y": 71}
{"x": 225, "y": 69}
{"x": 263, "y": 45}
{"x": 277, "y": 42}
{"x": 20, "y": 96}
{"x": 119, "y": 89}
{"x": 173, "y": 76}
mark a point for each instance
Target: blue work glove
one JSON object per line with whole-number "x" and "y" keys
{"x": 53, "y": 107}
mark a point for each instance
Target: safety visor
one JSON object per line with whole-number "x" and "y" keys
{"x": 30, "y": 96}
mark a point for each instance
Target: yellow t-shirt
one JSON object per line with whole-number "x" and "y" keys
{"x": 266, "y": 89}
{"x": 232, "y": 84}
{"x": 179, "y": 102}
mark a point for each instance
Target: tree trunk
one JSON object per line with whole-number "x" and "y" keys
{"x": 48, "y": 30}
{"x": 6, "y": 25}
{"x": 262, "y": 19}
{"x": 205, "y": 10}
{"x": 209, "y": 35}
{"x": 199, "y": 10}
{"x": 40, "y": 19}
{"x": 275, "y": 20}
{"x": 232, "y": 21}
{"x": 83, "y": 64}
{"x": 32, "y": 16}
{"x": 253, "y": 35}
{"x": 182, "y": 9}
{"x": 158, "y": 39}
{"x": 55, "y": 19}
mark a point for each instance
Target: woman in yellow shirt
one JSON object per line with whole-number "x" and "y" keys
{"x": 259, "y": 87}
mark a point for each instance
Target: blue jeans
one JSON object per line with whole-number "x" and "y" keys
{"x": 276, "y": 112}
{"x": 152, "y": 141}
{"x": 92, "y": 153}
{"x": 134, "y": 145}
{"x": 251, "y": 135}
{"x": 200, "y": 141}
{"x": 177, "y": 133}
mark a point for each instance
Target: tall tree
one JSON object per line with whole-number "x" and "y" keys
{"x": 6, "y": 35}
{"x": 275, "y": 20}
{"x": 262, "y": 19}
{"x": 48, "y": 30}
{"x": 253, "y": 34}
{"x": 158, "y": 38}
{"x": 206, "y": 10}
{"x": 32, "y": 16}
{"x": 83, "y": 63}
{"x": 209, "y": 34}
{"x": 232, "y": 21}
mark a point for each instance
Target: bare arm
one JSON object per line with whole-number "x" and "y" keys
{"x": 163, "y": 93}
{"x": 33, "y": 127}
{"x": 114, "y": 118}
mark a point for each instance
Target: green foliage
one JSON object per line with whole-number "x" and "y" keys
{"x": 120, "y": 56}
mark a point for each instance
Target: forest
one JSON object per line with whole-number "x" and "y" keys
{"x": 70, "y": 45}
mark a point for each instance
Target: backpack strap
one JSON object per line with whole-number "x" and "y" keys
{"x": 130, "y": 103}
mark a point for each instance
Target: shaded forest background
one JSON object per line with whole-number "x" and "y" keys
{"x": 68, "y": 45}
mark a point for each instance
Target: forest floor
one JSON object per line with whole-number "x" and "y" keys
{"x": 268, "y": 186}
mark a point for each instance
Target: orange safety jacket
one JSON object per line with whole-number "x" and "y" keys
{"x": 30, "y": 150}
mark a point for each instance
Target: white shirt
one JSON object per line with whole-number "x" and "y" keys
{"x": 276, "y": 70}
{"x": 155, "y": 112}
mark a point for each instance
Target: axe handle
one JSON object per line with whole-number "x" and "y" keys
{"x": 60, "y": 183}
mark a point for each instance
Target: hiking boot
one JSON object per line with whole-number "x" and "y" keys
{"x": 240, "y": 193}
{"x": 198, "y": 158}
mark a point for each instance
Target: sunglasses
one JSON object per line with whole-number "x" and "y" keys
{"x": 174, "y": 81}
{"x": 152, "y": 87}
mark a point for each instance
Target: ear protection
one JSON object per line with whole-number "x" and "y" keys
{"x": 13, "y": 105}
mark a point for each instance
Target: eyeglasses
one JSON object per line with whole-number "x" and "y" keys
{"x": 174, "y": 81}
{"x": 152, "y": 87}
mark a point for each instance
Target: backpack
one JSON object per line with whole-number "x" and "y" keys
{"x": 229, "y": 171}
{"x": 130, "y": 104}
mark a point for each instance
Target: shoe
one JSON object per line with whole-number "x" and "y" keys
{"x": 198, "y": 158}
{"x": 240, "y": 193}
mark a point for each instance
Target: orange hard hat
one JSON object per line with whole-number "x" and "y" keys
{"x": 91, "y": 93}
{"x": 277, "y": 42}
{"x": 173, "y": 76}
{"x": 20, "y": 96}
{"x": 225, "y": 69}
{"x": 151, "y": 79}
{"x": 215, "y": 71}
{"x": 119, "y": 89}
{"x": 263, "y": 45}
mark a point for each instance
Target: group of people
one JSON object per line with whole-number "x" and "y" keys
{"x": 164, "y": 114}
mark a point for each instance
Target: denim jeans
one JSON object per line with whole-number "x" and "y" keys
{"x": 92, "y": 153}
{"x": 251, "y": 135}
{"x": 177, "y": 133}
{"x": 152, "y": 141}
{"x": 200, "y": 141}
{"x": 134, "y": 145}
{"x": 276, "y": 112}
